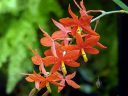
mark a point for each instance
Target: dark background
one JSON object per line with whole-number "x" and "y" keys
{"x": 123, "y": 67}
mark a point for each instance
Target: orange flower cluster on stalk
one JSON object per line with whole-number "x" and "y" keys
{"x": 63, "y": 51}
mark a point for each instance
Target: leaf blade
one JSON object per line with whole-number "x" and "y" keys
{"x": 121, "y": 4}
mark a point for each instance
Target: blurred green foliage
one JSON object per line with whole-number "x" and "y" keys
{"x": 19, "y": 20}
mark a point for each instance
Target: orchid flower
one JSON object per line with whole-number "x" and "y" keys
{"x": 41, "y": 81}
{"x": 67, "y": 79}
{"x": 84, "y": 46}
{"x": 64, "y": 58}
{"x": 62, "y": 34}
{"x": 83, "y": 22}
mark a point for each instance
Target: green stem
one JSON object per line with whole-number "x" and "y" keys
{"x": 104, "y": 13}
{"x": 121, "y": 4}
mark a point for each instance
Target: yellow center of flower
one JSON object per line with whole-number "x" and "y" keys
{"x": 48, "y": 87}
{"x": 63, "y": 68}
{"x": 79, "y": 30}
{"x": 84, "y": 55}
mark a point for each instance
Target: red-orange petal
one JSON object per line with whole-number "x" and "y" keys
{"x": 34, "y": 77}
{"x": 57, "y": 84}
{"x": 48, "y": 60}
{"x": 73, "y": 31}
{"x": 79, "y": 39}
{"x": 48, "y": 52}
{"x": 72, "y": 63}
{"x": 53, "y": 77}
{"x": 42, "y": 84}
{"x": 89, "y": 30}
{"x": 101, "y": 45}
{"x": 55, "y": 67}
{"x": 91, "y": 50}
{"x": 60, "y": 88}
{"x": 77, "y": 4}
{"x": 70, "y": 76}
{"x": 67, "y": 21}
{"x": 42, "y": 69}
{"x": 70, "y": 47}
{"x": 82, "y": 5}
{"x": 59, "y": 25}
{"x": 37, "y": 77}
{"x": 37, "y": 60}
{"x": 29, "y": 79}
{"x": 37, "y": 85}
{"x": 45, "y": 41}
{"x": 72, "y": 83}
{"x": 91, "y": 41}
{"x": 85, "y": 20}
{"x": 72, "y": 55}
{"x": 74, "y": 16}
{"x": 58, "y": 35}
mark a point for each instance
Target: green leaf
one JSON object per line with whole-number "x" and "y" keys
{"x": 54, "y": 90}
{"x": 19, "y": 61}
{"x": 4, "y": 51}
{"x": 121, "y": 4}
{"x": 12, "y": 6}
{"x": 20, "y": 31}
{"x": 18, "y": 64}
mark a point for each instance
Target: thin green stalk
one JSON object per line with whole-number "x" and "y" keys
{"x": 121, "y": 4}
{"x": 104, "y": 13}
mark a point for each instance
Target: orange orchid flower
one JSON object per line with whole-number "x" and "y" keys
{"x": 63, "y": 58}
{"x": 97, "y": 44}
{"x": 81, "y": 7}
{"x": 84, "y": 46}
{"x": 67, "y": 79}
{"x": 64, "y": 30}
{"x": 41, "y": 82}
{"x": 62, "y": 34}
{"x": 37, "y": 60}
{"x": 83, "y": 22}
{"x": 63, "y": 53}
{"x": 49, "y": 41}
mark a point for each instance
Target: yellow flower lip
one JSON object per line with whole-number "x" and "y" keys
{"x": 84, "y": 55}
{"x": 48, "y": 87}
{"x": 79, "y": 30}
{"x": 63, "y": 68}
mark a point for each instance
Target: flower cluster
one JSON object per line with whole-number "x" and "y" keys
{"x": 74, "y": 38}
